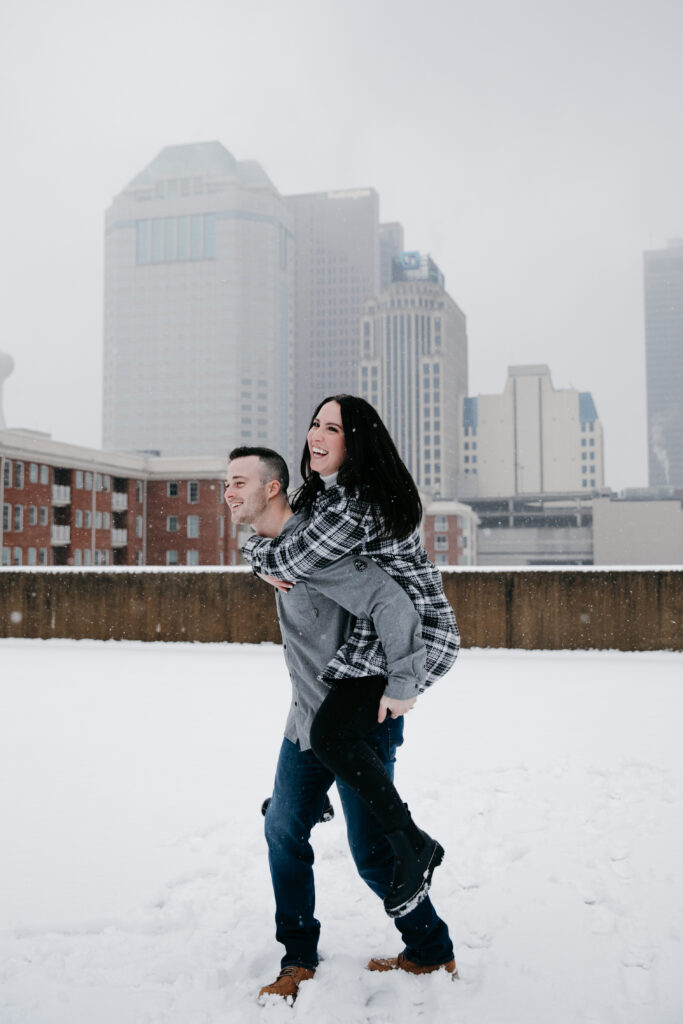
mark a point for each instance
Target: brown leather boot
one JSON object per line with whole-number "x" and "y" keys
{"x": 286, "y": 984}
{"x": 402, "y": 963}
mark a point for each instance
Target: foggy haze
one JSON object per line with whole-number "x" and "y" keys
{"x": 533, "y": 149}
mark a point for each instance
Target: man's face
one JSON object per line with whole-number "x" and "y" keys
{"x": 246, "y": 495}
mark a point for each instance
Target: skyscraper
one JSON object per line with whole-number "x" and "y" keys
{"x": 664, "y": 359}
{"x": 337, "y": 269}
{"x": 198, "y": 307}
{"x": 413, "y": 369}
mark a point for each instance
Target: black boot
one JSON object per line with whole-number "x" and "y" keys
{"x": 417, "y": 855}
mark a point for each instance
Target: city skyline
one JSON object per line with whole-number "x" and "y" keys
{"x": 535, "y": 178}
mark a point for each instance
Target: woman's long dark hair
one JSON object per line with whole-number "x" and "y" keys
{"x": 373, "y": 470}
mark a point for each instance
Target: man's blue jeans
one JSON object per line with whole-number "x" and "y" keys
{"x": 301, "y": 782}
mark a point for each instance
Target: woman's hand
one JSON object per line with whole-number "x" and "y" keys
{"x": 394, "y": 706}
{"x": 278, "y": 584}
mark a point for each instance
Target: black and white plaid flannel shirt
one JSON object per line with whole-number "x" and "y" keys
{"x": 341, "y": 525}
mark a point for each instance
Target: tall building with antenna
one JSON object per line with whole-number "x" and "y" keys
{"x": 413, "y": 369}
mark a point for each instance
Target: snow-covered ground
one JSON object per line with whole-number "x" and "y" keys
{"x": 134, "y": 885}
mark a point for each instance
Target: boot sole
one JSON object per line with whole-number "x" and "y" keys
{"x": 413, "y": 901}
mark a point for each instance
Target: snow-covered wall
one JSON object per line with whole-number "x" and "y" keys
{"x": 554, "y": 609}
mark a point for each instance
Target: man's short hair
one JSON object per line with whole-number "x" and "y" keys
{"x": 275, "y": 465}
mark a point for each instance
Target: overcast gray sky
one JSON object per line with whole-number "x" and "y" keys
{"x": 533, "y": 147}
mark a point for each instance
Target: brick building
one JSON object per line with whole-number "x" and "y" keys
{"x": 450, "y": 533}
{"x": 67, "y": 505}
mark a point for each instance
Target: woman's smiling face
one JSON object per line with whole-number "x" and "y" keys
{"x": 326, "y": 440}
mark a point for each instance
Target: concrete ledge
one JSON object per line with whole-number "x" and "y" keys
{"x": 551, "y": 609}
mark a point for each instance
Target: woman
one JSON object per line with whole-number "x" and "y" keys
{"x": 358, "y": 496}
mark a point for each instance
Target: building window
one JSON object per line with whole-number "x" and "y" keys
{"x": 106, "y": 481}
{"x": 221, "y": 526}
{"x": 441, "y": 560}
{"x": 98, "y": 481}
{"x": 19, "y": 474}
{"x": 78, "y": 518}
{"x": 33, "y": 478}
{"x": 87, "y": 519}
{"x": 440, "y": 542}
{"x": 192, "y": 492}
{"x": 138, "y": 492}
{"x": 43, "y": 515}
{"x": 193, "y": 526}
{"x": 172, "y": 489}
{"x": 16, "y": 556}
{"x": 88, "y": 481}
{"x": 440, "y": 522}
{"x": 78, "y": 557}
{"x": 98, "y": 520}
{"x": 18, "y": 517}
{"x": 44, "y": 474}
{"x": 79, "y": 479}
{"x": 87, "y": 557}
{"x": 6, "y": 517}
{"x": 106, "y": 520}
{"x": 33, "y": 516}
{"x": 138, "y": 526}
{"x": 171, "y": 524}
{"x": 171, "y": 558}
{"x": 8, "y": 474}
{"x": 138, "y": 558}
{"x": 193, "y": 557}
{"x": 42, "y": 556}
{"x": 6, "y": 555}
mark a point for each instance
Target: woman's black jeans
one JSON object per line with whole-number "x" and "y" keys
{"x": 339, "y": 740}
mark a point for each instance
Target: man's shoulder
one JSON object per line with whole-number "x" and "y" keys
{"x": 294, "y": 523}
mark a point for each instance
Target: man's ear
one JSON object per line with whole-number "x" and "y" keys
{"x": 273, "y": 488}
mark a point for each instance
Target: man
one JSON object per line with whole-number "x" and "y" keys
{"x": 316, "y": 617}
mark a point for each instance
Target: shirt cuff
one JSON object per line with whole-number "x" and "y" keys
{"x": 406, "y": 678}
{"x": 249, "y": 548}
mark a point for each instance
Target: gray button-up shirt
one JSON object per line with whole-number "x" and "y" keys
{"x": 316, "y": 617}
